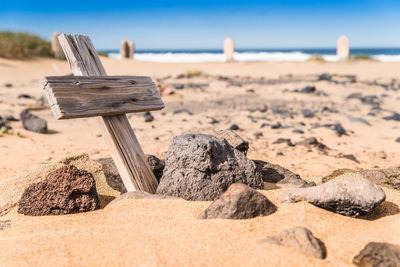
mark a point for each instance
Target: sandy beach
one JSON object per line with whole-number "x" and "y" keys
{"x": 265, "y": 100}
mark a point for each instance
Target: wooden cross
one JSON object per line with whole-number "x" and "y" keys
{"x": 91, "y": 93}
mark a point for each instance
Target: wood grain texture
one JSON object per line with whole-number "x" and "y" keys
{"x": 124, "y": 146}
{"x": 79, "y": 96}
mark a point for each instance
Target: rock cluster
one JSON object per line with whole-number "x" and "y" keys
{"x": 202, "y": 167}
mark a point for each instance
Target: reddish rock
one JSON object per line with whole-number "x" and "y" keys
{"x": 64, "y": 191}
{"x": 239, "y": 202}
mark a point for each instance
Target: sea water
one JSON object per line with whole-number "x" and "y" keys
{"x": 216, "y": 55}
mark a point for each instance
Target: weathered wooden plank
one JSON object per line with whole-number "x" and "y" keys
{"x": 79, "y": 96}
{"x": 124, "y": 146}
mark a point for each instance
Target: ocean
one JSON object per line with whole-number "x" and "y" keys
{"x": 216, "y": 55}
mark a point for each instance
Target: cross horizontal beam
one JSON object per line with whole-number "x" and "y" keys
{"x": 80, "y": 96}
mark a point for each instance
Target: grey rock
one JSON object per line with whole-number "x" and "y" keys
{"x": 394, "y": 117}
{"x": 397, "y": 140}
{"x": 308, "y": 90}
{"x": 389, "y": 177}
{"x": 234, "y": 127}
{"x": 202, "y": 167}
{"x": 239, "y": 202}
{"x": 274, "y": 173}
{"x": 307, "y": 113}
{"x": 234, "y": 140}
{"x": 148, "y": 117}
{"x": 376, "y": 254}
{"x": 301, "y": 239}
{"x": 283, "y": 141}
{"x": 32, "y": 122}
{"x": 359, "y": 120}
{"x": 349, "y": 195}
{"x": 312, "y": 141}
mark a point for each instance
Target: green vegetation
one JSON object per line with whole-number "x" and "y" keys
{"x": 4, "y": 130}
{"x": 316, "y": 58}
{"x": 19, "y": 45}
{"x": 193, "y": 73}
{"x": 103, "y": 54}
{"x": 361, "y": 57}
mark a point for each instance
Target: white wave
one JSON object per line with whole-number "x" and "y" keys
{"x": 387, "y": 58}
{"x": 240, "y": 56}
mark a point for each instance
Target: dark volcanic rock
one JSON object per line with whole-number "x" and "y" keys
{"x": 274, "y": 173}
{"x": 10, "y": 118}
{"x": 397, "y": 140}
{"x": 376, "y": 254}
{"x": 283, "y": 141}
{"x": 25, "y": 96}
{"x": 234, "y": 127}
{"x": 201, "y": 167}
{"x": 349, "y": 195}
{"x": 157, "y": 166}
{"x": 32, "y": 122}
{"x": 301, "y": 239}
{"x": 308, "y": 90}
{"x": 148, "y": 117}
{"x": 64, "y": 191}
{"x": 394, "y": 117}
{"x": 239, "y": 202}
{"x": 324, "y": 77}
{"x": 234, "y": 140}
{"x": 312, "y": 141}
{"x": 307, "y": 113}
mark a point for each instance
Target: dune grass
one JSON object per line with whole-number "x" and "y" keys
{"x": 193, "y": 73}
{"x": 361, "y": 57}
{"x": 20, "y": 45}
{"x": 316, "y": 58}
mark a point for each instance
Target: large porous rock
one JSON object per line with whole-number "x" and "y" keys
{"x": 32, "y": 122}
{"x": 349, "y": 195}
{"x": 66, "y": 190}
{"x": 378, "y": 255}
{"x": 282, "y": 177}
{"x": 12, "y": 189}
{"x": 239, "y": 202}
{"x": 301, "y": 239}
{"x": 233, "y": 139}
{"x": 202, "y": 167}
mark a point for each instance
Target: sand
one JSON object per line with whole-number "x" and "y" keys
{"x": 167, "y": 232}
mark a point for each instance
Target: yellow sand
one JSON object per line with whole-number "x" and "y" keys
{"x": 167, "y": 232}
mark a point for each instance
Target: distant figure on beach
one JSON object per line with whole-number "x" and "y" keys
{"x": 56, "y": 47}
{"x": 343, "y": 48}
{"x": 127, "y": 49}
{"x": 229, "y": 49}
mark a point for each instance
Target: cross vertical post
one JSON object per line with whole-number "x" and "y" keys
{"x": 125, "y": 149}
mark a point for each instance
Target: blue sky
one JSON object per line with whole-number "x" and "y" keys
{"x": 204, "y": 24}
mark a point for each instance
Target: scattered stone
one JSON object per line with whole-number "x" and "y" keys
{"x": 398, "y": 140}
{"x": 301, "y": 239}
{"x": 370, "y": 100}
{"x": 324, "y": 77}
{"x": 10, "y": 118}
{"x": 8, "y": 85}
{"x": 337, "y": 128}
{"x": 348, "y": 156}
{"x": 26, "y": 96}
{"x": 32, "y": 122}
{"x": 182, "y": 110}
{"x": 298, "y": 131}
{"x": 274, "y": 173}
{"x": 157, "y": 166}
{"x": 376, "y": 254}
{"x": 178, "y": 86}
{"x": 359, "y": 120}
{"x": 258, "y": 134}
{"x": 308, "y": 90}
{"x": 234, "y": 140}
{"x": 355, "y": 96}
{"x": 307, "y": 113}
{"x": 284, "y": 140}
{"x": 239, "y": 202}
{"x": 394, "y": 117}
{"x": 234, "y": 127}
{"x": 66, "y": 190}
{"x": 349, "y": 195}
{"x": 201, "y": 167}
{"x": 5, "y": 224}
{"x": 148, "y": 117}
{"x": 277, "y": 125}
{"x": 312, "y": 141}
